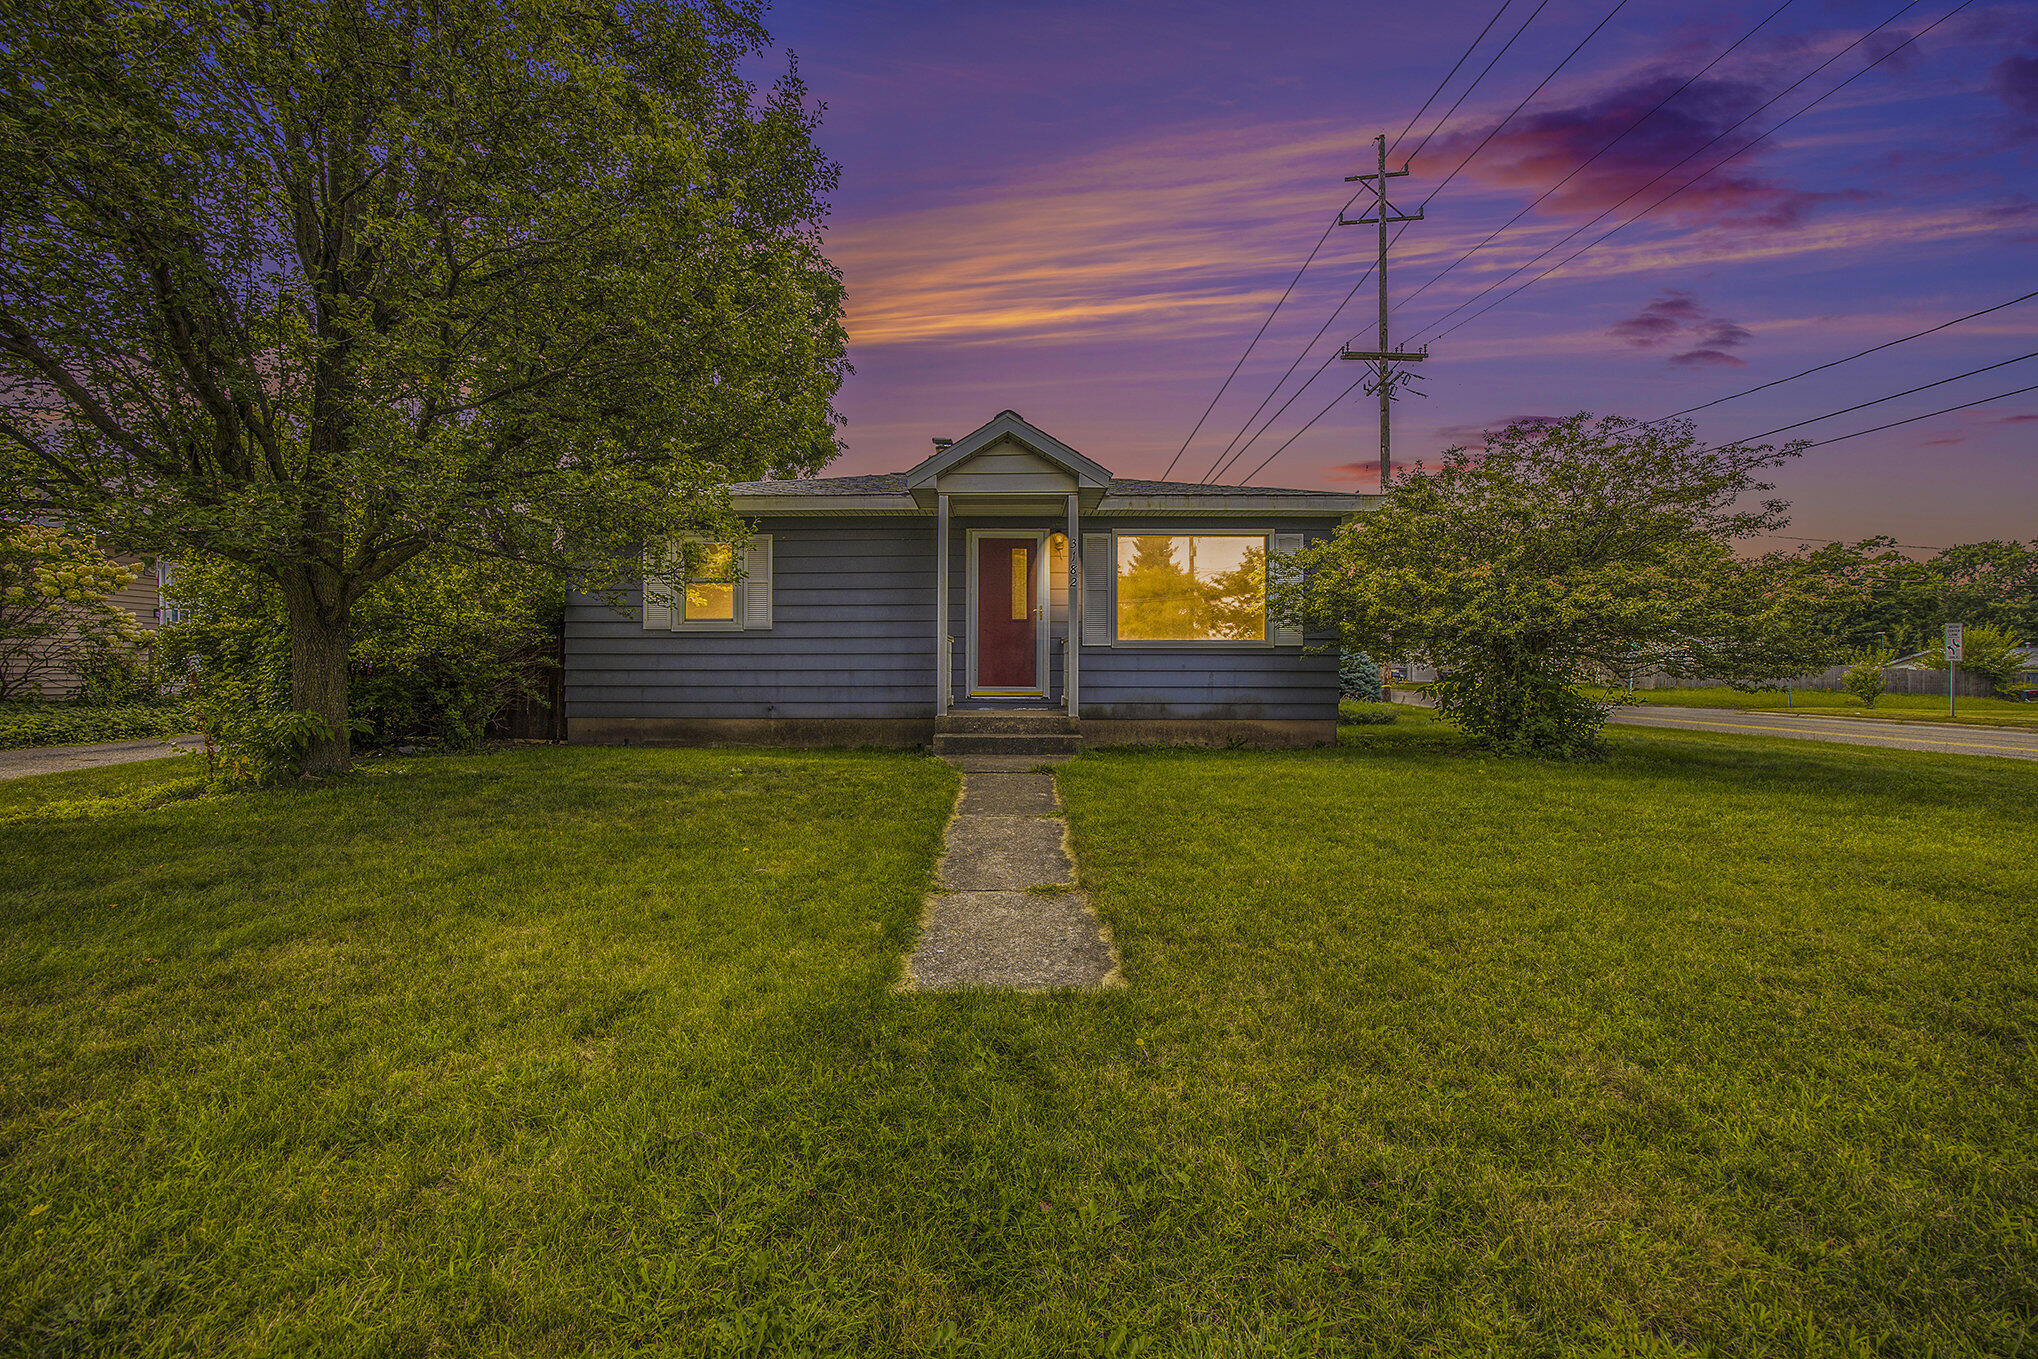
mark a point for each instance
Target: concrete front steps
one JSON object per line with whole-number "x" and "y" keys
{"x": 1016, "y": 732}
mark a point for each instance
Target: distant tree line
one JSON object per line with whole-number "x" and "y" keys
{"x": 1881, "y": 598}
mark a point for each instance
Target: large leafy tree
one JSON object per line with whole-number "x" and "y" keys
{"x": 1564, "y": 553}
{"x": 322, "y": 286}
{"x": 1884, "y": 596}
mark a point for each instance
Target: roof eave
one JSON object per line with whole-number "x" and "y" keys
{"x": 1247, "y": 503}
{"x": 823, "y": 504}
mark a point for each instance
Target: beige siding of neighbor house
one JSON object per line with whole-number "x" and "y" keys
{"x": 142, "y": 598}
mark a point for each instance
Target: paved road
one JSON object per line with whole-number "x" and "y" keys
{"x": 19, "y": 764}
{"x": 1947, "y": 737}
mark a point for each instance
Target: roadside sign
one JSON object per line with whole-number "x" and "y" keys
{"x": 1954, "y": 633}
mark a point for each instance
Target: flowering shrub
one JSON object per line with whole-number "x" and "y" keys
{"x": 55, "y": 620}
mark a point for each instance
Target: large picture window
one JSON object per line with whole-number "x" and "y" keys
{"x": 1192, "y": 587}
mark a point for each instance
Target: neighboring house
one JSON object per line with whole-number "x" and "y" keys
{"x": 1006, "y": 573}
{"x": 143, "y": 597}
{"x": 52, "y": 677}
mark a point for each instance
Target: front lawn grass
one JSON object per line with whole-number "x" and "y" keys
{"x": 1999, "y": 712}
{"x": 1721, "y": 1045}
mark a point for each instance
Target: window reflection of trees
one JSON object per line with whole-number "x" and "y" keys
{"x": 1175, "y": 587}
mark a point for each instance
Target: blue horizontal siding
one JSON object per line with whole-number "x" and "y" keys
{"x": 852, "y": 636}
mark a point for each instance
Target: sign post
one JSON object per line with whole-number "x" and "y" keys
{"x": 1955, "y": 633}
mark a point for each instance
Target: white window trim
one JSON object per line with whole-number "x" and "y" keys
{"x": 1264, "y": 642}
{"x": 677, "y": 583}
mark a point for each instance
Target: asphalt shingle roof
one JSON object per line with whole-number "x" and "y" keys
{"x": 894, "y": 483}
{"x": 880, "y": 483}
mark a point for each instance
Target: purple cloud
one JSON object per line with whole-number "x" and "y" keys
{"x": 1708, "y": 358}
{"x": 1675, "y": 315}
{"x": 1659, "y": 322}
{"x": 1536, "y": 151}
{"x": 2015, "y": 81}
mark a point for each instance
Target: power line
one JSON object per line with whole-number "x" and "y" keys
{"x": 1226, "y": 458}
{"x": 1911, "y": 420}
{"x": 1389, "y": 376}
{"x": 1311, "y": 256}
{"x": 1820, "y": 368}
{"x": 1485, "y": 71}
{"x": 1999, "y": 396}
{"x": 1462, "y": 58}
{"x": 1505, "y": 47}
{"x": 1573, "y": 233}
{"x": 1913, "y": 391}
{"x": 1247, "y": 479}
{"x": 1265, "y": 321}
{"x": 1619, "y": 5}
{"x": 1584, "y": 164}
{"x": 1745, "y": 147}
{"x": 1328, "y": 360}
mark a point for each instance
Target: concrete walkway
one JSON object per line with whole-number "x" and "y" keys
{"x": 1007, "y": 914}
{"x": 19, "y": 764}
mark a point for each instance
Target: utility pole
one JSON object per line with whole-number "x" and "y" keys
{"x": 1388, "y": 377}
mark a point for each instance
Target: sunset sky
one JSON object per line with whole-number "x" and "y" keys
{"x": 1084, "y": 210}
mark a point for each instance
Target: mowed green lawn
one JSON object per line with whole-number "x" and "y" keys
{"x": 1724, "y": 1045}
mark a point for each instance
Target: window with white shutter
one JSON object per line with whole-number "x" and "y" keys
{"x": 711, "y": 586}
{"x": 757, "y": 584}
{"x": 1286, "y": 544}
{"x": 1097, "y": 573}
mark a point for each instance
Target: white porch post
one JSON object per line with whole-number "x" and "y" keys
{"x": 1072, "y": 646}
{"x": 942, "y": 665}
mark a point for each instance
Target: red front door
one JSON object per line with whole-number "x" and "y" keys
{"x": 1008, "y": 579}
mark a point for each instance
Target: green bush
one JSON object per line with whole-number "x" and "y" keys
{"x": 436, "y": 652}
{"x": 1358, "y": 676}
{"x": 1513, "y": 711}
{"x": 1866, "y": 677}
{"x": 251, "y": 741}
{"x": 75, "y": 724}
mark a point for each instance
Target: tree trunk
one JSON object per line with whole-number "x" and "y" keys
{"x": 318, "y": 671}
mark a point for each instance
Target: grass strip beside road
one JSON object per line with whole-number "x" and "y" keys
{"x": 1924, "y": 708}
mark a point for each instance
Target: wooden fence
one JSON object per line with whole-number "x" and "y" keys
{"x": 541, "y": 715}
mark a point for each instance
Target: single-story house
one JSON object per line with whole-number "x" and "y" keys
{"x": 1006, "y": 585}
